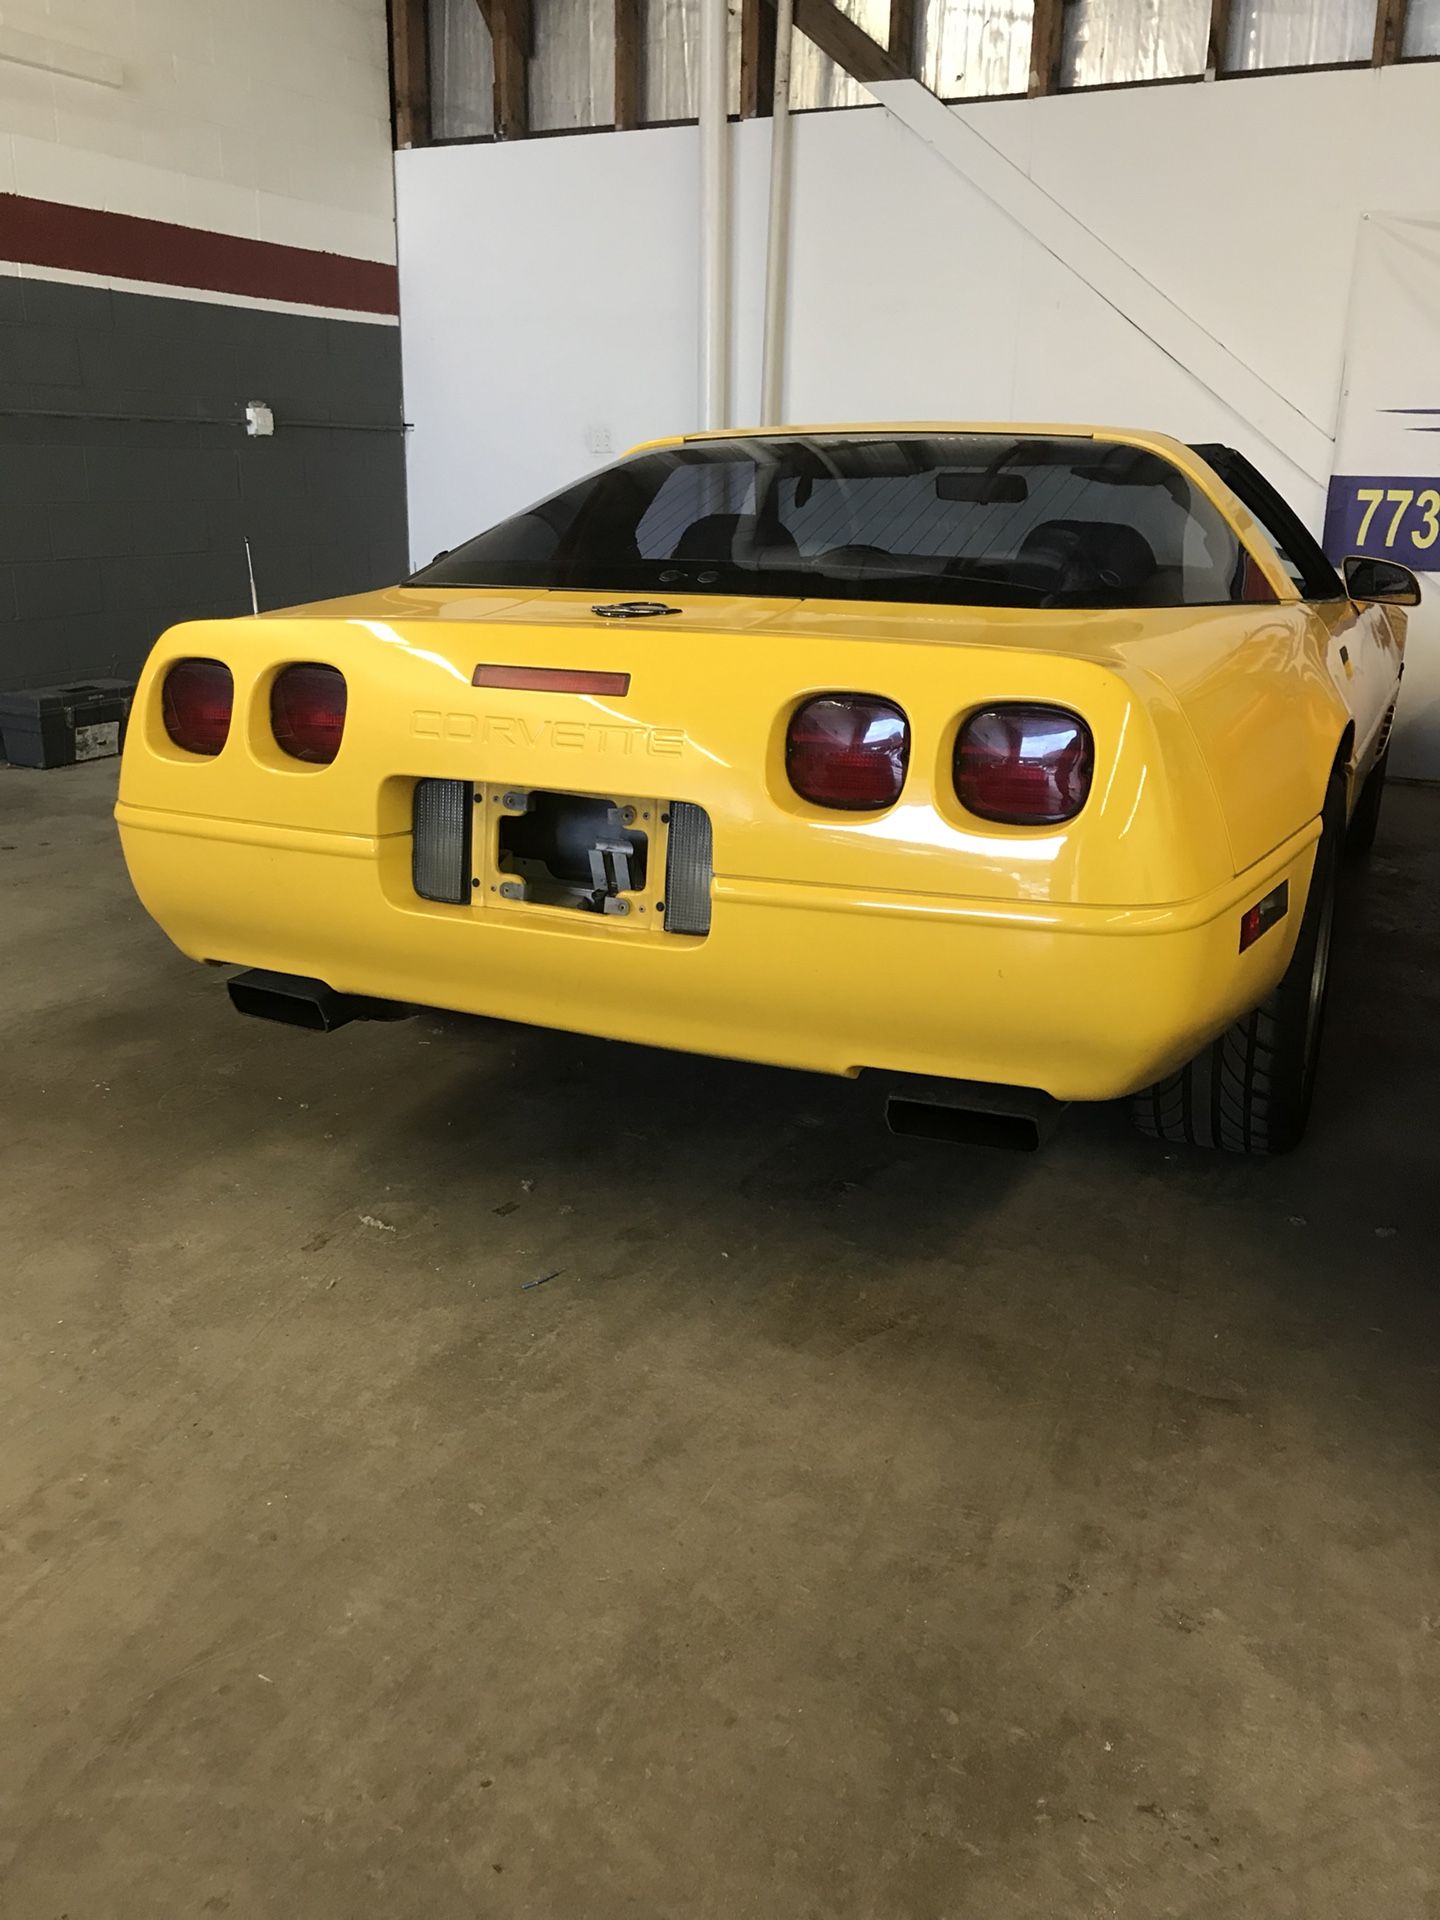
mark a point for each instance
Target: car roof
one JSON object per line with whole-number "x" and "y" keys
{"x": 889, "y": 429}
{"x": 1163, "y": 443}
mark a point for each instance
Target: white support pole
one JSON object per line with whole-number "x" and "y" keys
{"x": 777, "y": 247}
{"x": 714, "y": 215}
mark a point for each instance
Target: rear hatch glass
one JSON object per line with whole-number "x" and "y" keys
{"x": 965, "y": 518}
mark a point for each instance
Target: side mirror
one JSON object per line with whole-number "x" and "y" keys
{"x": 1385, "y": 581}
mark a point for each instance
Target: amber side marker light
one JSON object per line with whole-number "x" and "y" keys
{"x": 551, "y": 680}
{"x": 1264, "y": 914}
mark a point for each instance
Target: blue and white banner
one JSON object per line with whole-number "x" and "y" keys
{"x": 1384, "y": 499}
{"x": 1391, "y": 516}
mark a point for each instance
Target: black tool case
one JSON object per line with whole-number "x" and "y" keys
{"x": 56, "y": 726}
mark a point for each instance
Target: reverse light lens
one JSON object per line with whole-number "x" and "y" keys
{"x": 197, "y": 701}
{"x": 689, "y": 869}
{"x": 848, "y": 750}
{"x": 307, "y": 712}
{"x": 1027, "y": 766}
{"x": 440, "y": 867}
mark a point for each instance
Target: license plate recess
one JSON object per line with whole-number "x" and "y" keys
{"x": 549, "y": 851}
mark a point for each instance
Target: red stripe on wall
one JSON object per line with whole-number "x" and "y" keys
{"x": 120, "y": 246}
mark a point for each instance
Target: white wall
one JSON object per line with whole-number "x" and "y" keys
{"x": 263, "y": 118}
{"x": 548, "y": 287}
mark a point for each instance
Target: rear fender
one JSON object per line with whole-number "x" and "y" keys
{"x": 1268, "y": 720}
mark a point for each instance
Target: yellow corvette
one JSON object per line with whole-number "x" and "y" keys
{"x": 1011, "y": 765}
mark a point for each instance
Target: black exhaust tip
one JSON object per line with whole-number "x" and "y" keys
{"x": 969, "y": 1113}
{"x": 293, "y": 1000}
{"x": 920, "y": 1120}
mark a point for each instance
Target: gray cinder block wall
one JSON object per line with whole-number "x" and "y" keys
{"x": 128, "y": 483}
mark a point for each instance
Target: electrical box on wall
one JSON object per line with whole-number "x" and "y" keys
{"x": 259, "y": 419}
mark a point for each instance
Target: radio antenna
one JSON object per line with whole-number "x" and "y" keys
{"x": 250, "y": 569}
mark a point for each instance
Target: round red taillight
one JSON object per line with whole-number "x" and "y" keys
{"x": 307, "y": 712}
{"x": 1027, "y": 766}
{"x": 848, "y": 750}
{"x": 197, "y": 701}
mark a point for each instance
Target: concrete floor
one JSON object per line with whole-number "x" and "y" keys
{"x": 853, "y": 1527}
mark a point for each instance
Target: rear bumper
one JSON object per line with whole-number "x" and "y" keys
{"x": 1082, "y": 1003}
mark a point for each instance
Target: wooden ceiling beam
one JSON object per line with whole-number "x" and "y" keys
{"x": 410, "y": 72}
{"x": 757, "y": 58}
{"x": 511, "y": 34}
{"x": 1047, "y": 46}
{"x": 848, "y": 45}
{"x": 629, "y": 62}
{"x": 1217, "y": 49}
{"x": 1389, "y": 33}
{"x": 903, "y": 46}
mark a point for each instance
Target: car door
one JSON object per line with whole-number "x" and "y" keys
{"x": 1363, "y": 650}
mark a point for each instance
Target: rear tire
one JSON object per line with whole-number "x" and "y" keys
{"x": 1365, "y": 820}
{"x": 1250, "y": 1090}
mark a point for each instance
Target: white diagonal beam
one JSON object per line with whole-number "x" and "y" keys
{"x": 1125, "y": 290}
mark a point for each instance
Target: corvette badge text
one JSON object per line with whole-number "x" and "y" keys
{"x": 615, "y": 737}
